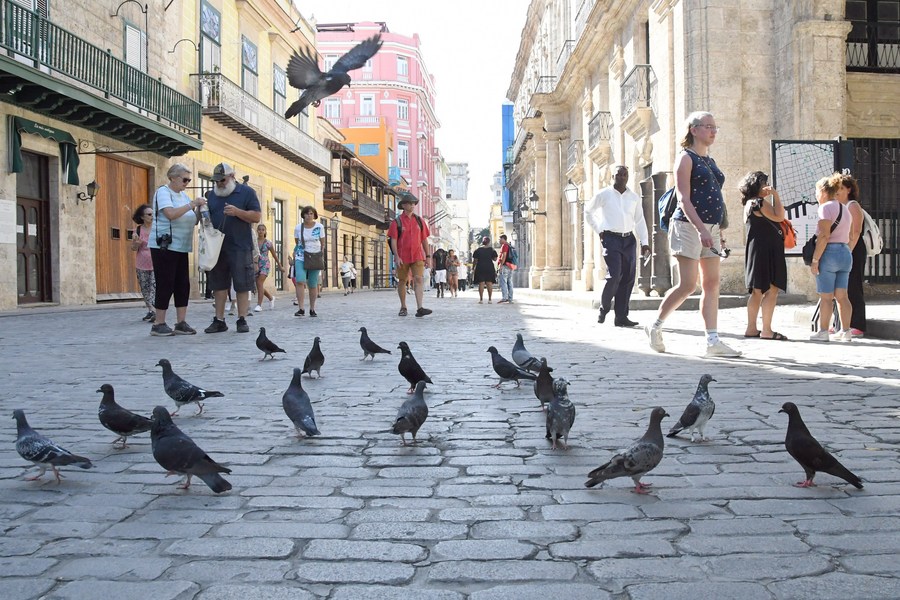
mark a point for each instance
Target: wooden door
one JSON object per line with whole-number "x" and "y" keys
{"x": 33, "y": 230}
{"x": 123, "y": 187}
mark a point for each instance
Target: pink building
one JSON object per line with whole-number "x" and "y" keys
{"x": 395, "y": 86}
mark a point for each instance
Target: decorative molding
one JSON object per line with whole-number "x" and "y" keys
{"x": 637, "y": 124}
{"x": 617, "y": 64}
{"x": 601, "y": 154}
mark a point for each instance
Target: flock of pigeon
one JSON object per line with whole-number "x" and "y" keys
{"x": 177, "y": 453}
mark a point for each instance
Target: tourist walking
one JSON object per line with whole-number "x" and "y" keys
{"x": 483, "y": 267}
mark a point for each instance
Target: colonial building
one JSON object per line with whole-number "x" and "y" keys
{"x": 601, "y": 83}
{"x": 458, "y": 205}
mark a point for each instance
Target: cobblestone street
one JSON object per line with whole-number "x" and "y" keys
{"x": 481, "y": 508}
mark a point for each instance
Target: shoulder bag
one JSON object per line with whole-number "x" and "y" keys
{"x": 809, "y": 248}
{"x": 312, "y": 261}
{"x": 209, "y": 244}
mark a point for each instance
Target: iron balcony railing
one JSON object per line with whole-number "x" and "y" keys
{"x": 639, "y": 90}
{"x": 581, "y": 17}
{"x": 874, "y": 47}
{"x": 575, "y": 155}
{"x": 29, "y": 37}
{"x": 220, "y": 95}
{"x": 544, "y": 85}
{"x": 600, "y": 128}
{"x": 564, "y": 54}
{"x": 368, "y": 208}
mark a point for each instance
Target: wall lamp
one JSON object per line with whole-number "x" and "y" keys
{"x": 92, "y": 189}
{"x": 571, "y": 192}
{"x": 532, "y": 206}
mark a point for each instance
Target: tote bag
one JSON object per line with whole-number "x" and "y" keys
{"x": 209, "y": 246}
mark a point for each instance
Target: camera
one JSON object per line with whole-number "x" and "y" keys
{"x": 163, "y": 241}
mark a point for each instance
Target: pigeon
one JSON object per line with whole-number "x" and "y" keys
{"x": 314, "y": 360}
{"x": 369, "y": 347}
{"x": 41, "y": 451}
{"x": 561, "y": 414}
{"x": 543, "y": 385}
{"x": 507, "y": 370}
{"x": 412, "y": 414}
{"x": 298, "y": 408}
{"x": 303, "y": 73}
{"x": 120, "y": 421}
{"x": 523, "y": 357}
{"x": 181, "y": 391}
{"x": 268, "y": 347}
{"x": 698, "y": 412}
{"x": 410, "y": 369}
{"x": 178, "y": 454}
{"x": 807, "y": 451}
{"x": 636, "y": 460}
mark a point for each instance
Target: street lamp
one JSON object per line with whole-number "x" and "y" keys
{"x": 92, "y": 189}
{"x": 571, "y": 192}
{"x": 533, "y": 201}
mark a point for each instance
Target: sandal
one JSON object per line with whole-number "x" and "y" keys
{"x": 775, "y": 336}
{"x": 755, "y": 335}
{"x": 402, "y": 312}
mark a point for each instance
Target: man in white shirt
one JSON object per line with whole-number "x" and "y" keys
{"x": 616, "y": 214}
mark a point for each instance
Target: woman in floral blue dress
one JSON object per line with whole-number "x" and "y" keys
{"x": 265, "y": 249}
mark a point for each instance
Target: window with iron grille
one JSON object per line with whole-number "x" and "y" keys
{"x": 873, "y": 44}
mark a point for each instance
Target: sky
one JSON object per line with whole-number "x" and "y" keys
{"x": 470, "y": 47}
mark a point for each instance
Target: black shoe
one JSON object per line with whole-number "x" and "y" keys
{"x": 300, "y": 313}
{"x": 423, "y": 311}
{"x": 149, "y": 316}
{"x": 217, "y": 326}
{"x": 312, "y": 313}
{"x": 184, "y": 329}
{"x": 161, "y": 330}
{"x": 625, "y": 323}
{"x": 602, "y": 317}
{"x": 242, "y": 326}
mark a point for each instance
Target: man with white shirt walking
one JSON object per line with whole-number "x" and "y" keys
{"x": 616, "y": 214}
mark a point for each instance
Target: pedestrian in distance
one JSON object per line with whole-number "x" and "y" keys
{"x": 408, "y": 239}
{"x": 849, "y": 197}
{"x": 439, "y": 260}
{"x": 233, "y": 209}
{"x": 143, "y": 262}
{"x": 483, "y": 266}
{"x": 505, "y": 271}
{"x": 452, "y": 273}
{"x": 616, "y": 213}
{"x": 308, "y": 236}
{"x": 347, "y": 269}
{"x": 264, "y": 266}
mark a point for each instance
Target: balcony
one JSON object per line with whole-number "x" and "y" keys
{"x": 48, "y": 70}
{"x": 564, "y": 54}
{"x": 365, "y": 121}
{"x": 581, "y": 17}
{"x": 337, "y": 196}
{"x": 575, "y": 161}
{"x": 873, "y": 47}
{"x": 366, "y": 209}
{"x": 224, "y": 101}
{"x": 600, "y": 137}
{"x": 389, "y": 215}
{"x": 544, "y": 85}
{"x": 638, "y": 100}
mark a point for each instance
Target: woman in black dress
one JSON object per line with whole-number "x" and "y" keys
{"x": 485, "y": 273}
{"x": 765, "y": 269}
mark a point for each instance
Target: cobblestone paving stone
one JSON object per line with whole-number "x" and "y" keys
{"x": 480, "y": 508}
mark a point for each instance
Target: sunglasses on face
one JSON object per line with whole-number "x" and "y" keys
{"x": 185, "y": 180}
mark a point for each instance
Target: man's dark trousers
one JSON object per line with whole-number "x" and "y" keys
{"x": 620, "y": 254}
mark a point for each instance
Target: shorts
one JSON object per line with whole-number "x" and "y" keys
{"x": 834, "y": 268}
{"x": 236, "y": 268}
{"x": 440, "y": 276}
{"x": 301, "y": 275}
{"x": 417, "y": 268}
{"x": 684, "y": 240}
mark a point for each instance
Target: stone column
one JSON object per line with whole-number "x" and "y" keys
{"x": 554, "y": 277}
{"x": 539, "y": 256}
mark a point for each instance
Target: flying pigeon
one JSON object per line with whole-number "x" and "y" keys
{"x": 698, "y": 412}
{"x": 507, "y": 370}
{"x": 120, "y": 421}
{"x": 410, "y": 369}
{"x": 303, "y": 73}
{"x": 807, "y": 451}
{"x": 43, "y": 452}
{"x": 298, "y": 408}
{"x": 181, "y": 391}
{"x": 412, "y": 414}
{"x": 178, "y": 454}
{"x": 268, "y": 347}
{"x": 314, "y": 360}
{"x": 560, "y": 415}
{"x": 543, "y": 385}
{"x": 369, "y": 347}
{"x": 636, "y": 460}
{"x": 523, "y": 357}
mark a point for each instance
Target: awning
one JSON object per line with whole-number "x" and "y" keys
{"x": 68, "y": 155}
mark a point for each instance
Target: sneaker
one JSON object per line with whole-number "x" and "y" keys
{"x": 502, "y": 301}
{"x": 272, "y": 304}
{"x": 295, "y": 302}
{"x": 161, "y": 330}
{"x": 300, "y": 313}
{"x": 832, "y": 330}
{"x": 423, "y": 311}
{"x": 257, "y": 308}
{"x": 312, "y": 313}
{"x": 184, "y": 329}
{"x": 820, "y": 336}
{"x": 844, "y": 336}
{"x": 857, "y": 332}
{"x": 242, "y": 326}
{"x": 217, "y": 326}
{"x": 148, "y": 316}
{"x": 626, "y": 322}
{"x": 152, "y": 319}
{"x": 721, "y": 350}
{"x": 655, "y": 335}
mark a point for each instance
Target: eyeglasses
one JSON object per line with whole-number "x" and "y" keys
{"x": 185, "y": 180}
{"x": 709, "y": 127}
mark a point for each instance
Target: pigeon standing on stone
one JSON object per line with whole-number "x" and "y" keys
{"x": 298, "y": 408}
{"x": 523, "y": 357}
{"x": 120, "y": 421}
{"x": 34, "y": 447}
{"x": 303, "y": 73}
{"x": 507, "y": 370}
{"x": 369, "y": 347}
{"x": 807, "y": 451}
{"x": 412, "y": 414}
{"x": 410, "y": 368}
{"x": 268, "y": 347}
{"x": 181, "y": 391}
{"x": 698, "y": 412}
{"x": 543, "y": 385}
{"x": 314, "y": 360}
{"x": 560, "y": 414}
{"x": 178, "y": 454}
{"x": 636, "y": 460}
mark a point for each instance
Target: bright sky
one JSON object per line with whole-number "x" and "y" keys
{"x": 470, "y": 47}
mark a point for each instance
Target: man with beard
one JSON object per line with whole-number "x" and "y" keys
{"x": 233, "y": 209}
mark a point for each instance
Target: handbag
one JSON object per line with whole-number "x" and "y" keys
{"x": 809, "y": 248}
{"x": 209, "y": 246}
{"x": 312, "y": 261}
{"x": 789, "y": 235}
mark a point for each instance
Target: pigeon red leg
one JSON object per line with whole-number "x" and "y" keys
{"x": 187, "y": 483}
{"x": 200, "y": 412}
{"x": 805, "y": 484}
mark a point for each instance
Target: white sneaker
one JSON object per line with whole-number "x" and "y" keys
{"x": 820, "y": 336}
{"x": 272, "y": 304}
{"x": 655, "y": 335}
{"x": 722, "y": 350}
{"x": 257, "y": 308}
{"x": 845, "y": 335}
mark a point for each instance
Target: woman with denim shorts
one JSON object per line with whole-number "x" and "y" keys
{"x": 832, "y": 259}
{"x": 308, "y": 234}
